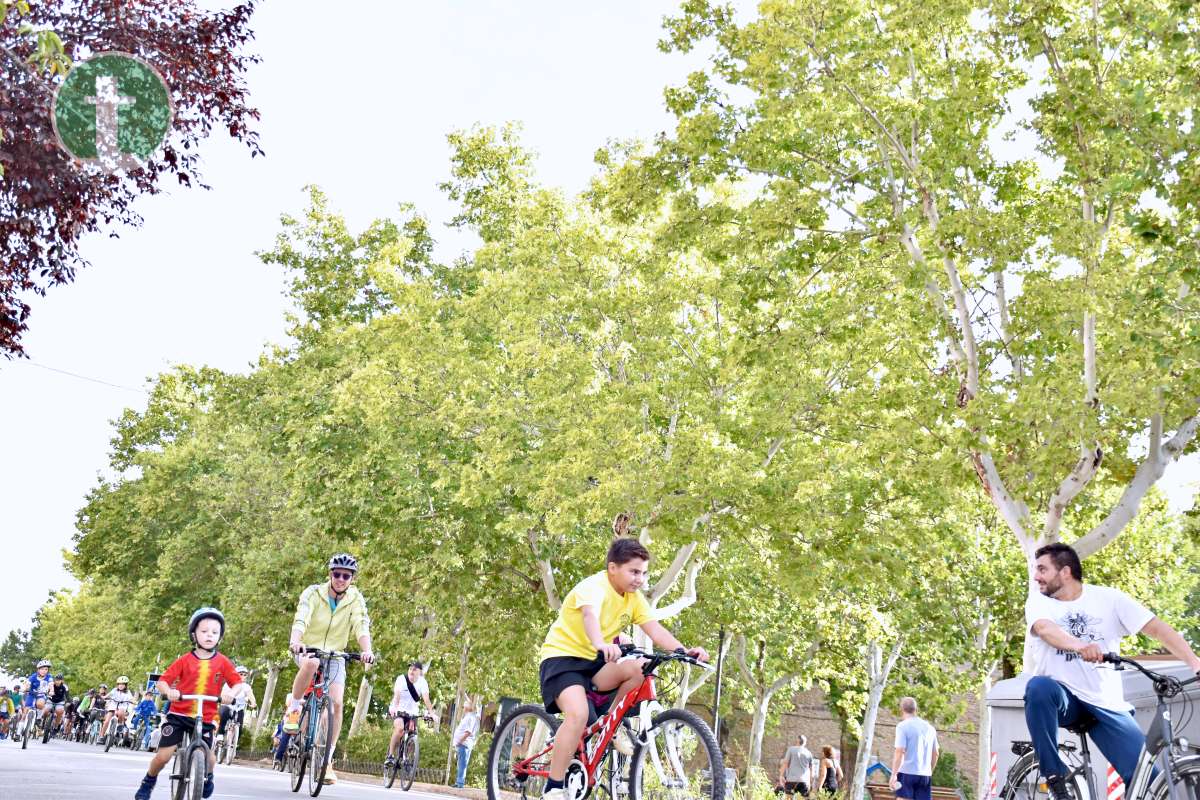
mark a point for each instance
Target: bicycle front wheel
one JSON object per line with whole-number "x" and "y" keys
{"x": 518, "y": 759}
{"x": 197, "y": 770}
{"x": 412, "y": 753}
{"x": 680, "y": 760}
{"x": 299, "y": 748}
{"x": 1186, "y": 774}
{"x": 321, "y": 748}
{"x": 231, "y": 742}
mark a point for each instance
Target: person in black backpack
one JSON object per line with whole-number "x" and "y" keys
{"x": 408, "y": 692}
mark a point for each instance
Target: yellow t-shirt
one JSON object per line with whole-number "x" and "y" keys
{"x": 616, "y": 612}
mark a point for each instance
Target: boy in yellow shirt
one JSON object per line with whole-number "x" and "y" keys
{"x": 579, "y": 654}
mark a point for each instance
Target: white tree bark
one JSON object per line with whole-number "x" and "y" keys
{"x": 878, "y": 671}
{"x": 545, "y": 572}
{"x": 460, "y": 694}
{"x": 763, "y": 693}
{"x": 360, "y": 706}
{"x": 264, "y": 710}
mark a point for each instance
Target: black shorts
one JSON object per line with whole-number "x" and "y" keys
{"x": 794, "y": 787}
{"x": 559, "y": 672}
{"x": 174, "y": 727}
{"x": 914, "y": 787}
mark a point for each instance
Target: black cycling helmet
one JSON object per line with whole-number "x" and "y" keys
{"x": 208, "y": 612}
{"x": 344, "y": 561}
{"x": 58, "y": 677}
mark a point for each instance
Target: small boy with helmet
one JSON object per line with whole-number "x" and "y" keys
{"x": 202, "y": 671}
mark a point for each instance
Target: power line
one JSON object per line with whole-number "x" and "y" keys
{"x": 85, "y": 378}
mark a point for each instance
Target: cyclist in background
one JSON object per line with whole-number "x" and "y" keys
{"x": 118, "y": 704}
{"x": 58, "y": 697}
{"x": 407, "y": 693}
{"x": 37, "y": 686}
{"x": 145, "y": 710}
{"x": 237, "y": 709}
{"x": 7, "y": 709}
{"x": 326, "y": 616}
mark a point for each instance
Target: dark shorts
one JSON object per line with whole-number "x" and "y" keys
{"x": 796, "y": 787}
{"x": 174, "y": 727}
{"x": 914, "y": 787}
{"x": 560, "y": 672}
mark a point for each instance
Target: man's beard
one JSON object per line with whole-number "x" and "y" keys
{"x": 1051, "y": 588}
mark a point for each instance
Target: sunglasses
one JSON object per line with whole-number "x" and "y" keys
{"x": 342, "y": 576}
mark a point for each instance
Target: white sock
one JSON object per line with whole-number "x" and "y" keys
{"x": 294, "y": 704}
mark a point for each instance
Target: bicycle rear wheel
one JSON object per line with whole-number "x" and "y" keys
{"x": 408, "y": 764}
{"x": 1026, "y": 783}
{"x": 679, "y": 760}
{"x": 321, "y": 747}
{"x": 520, "y": 746}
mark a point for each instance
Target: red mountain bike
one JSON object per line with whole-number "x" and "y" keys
{"x": 675, "y": 754}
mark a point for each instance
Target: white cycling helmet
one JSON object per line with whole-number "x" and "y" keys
{"x": 242, "y": 670}
{"x": 43, "y": 663}
{"x": 123, "y": 679}
{"x": 344, "y": 561}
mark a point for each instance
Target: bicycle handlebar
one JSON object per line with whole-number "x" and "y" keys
{"x": 1164, "y": 685}
{"x": 316, "y": 651}
{"x": 661, "y": 656}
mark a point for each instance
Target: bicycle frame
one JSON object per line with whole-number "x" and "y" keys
{"x": 599, "y": 732}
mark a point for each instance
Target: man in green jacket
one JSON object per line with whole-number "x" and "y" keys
{"x": 326, "y": 616}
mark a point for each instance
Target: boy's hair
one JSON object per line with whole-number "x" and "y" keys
{"x": 1062, "y": 555}
{"x": 622, "y": 551}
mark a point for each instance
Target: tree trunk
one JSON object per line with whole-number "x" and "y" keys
{"x": 985, "y": 737}
{"x": 762, "y": 702}
{"x": 264, "y": 709}
{"x": 459, "y": 696}
{"x": 878, "y": 670}
{"x": 361, "y": 705}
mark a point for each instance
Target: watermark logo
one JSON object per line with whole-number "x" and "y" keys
{"x": 113, "y": 110}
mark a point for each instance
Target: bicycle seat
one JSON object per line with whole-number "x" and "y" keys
{"x": 598, "y": 704}
{"x": 1020, "y": 748}
{"x": 1082, "y": 726}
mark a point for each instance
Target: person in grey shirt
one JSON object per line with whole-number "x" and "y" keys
{"x": 916, "y": 754}
{"x": 796, "y": 769}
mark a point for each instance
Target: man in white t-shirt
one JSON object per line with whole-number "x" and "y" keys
{"x": 405, "y": 707}
{"x": 1074, "y": 625}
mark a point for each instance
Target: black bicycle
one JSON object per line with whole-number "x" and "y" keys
{"x": 1167, "y": 769}
{"x": 409, "y": 754}
{"x": 191, "y": 757}
{"x": 310, "y": 749}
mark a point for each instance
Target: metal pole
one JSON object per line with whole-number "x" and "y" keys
{"x": 717, "y": 693}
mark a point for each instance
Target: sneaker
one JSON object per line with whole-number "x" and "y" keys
{"x": 208, "y": 786}
{"x": 555, "y": 794}
{"x": 390, "y": 761}
{"x": 330, "y": 776}
{"x": 1059, "y": 788}
{"x": 621, "y": 742}
{"x": 291, "y": 723}
{"x": 143, "y": 792}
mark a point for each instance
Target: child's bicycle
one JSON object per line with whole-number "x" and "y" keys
{"x": 309, "y": 750}
{"x": 675, "y": 753}
{"x": 191, "y": 757}
{"x": 404, "y": 762}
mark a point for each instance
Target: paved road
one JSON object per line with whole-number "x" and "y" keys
{"x": 63, "y": 770}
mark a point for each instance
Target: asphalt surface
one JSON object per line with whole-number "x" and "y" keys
{"x": 60, "y": 770}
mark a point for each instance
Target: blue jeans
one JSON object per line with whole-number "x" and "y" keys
{"x": 1049, "y": 705}
{"x": 464, "y": 755}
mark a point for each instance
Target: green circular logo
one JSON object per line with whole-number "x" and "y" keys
{"x": 113, "y": 110}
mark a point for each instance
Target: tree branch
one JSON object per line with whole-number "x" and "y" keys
{"x": 689, "y": 593}
{"x": 1072, "y": 485}
{"x": 546, "y": 572}
{"x": 664, "y": 584}
{"x": 1148, "y": 473}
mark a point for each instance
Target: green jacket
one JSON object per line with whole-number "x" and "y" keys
{"x": 327, "y": 628}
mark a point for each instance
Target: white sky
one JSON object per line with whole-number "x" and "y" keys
{"x": 358, "y": 102}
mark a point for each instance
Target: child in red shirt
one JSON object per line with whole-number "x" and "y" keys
{"x": 202, "y": 671}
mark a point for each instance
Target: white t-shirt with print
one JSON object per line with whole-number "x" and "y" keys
{"x": 1101, "y": 615}
{"x": 407, "y": 705}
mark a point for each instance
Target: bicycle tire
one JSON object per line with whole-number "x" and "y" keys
{"x": 704, "y": 740}
{"x": 27, "y": 732}
{"x": 179, "y": 783}
{"x": 300, "y": 741}
{"x": 499, "y": 767}
{"x": 389, "y": 773}
{"x": 321, "y": 747}
{"x": 231, "y": 742}
{"x": 109, "y": 738}
{"x": 197, "y": 771}
{"x": 47, "y": 729}
{"x": 1186, "y": 771}
{"x": 1024, "y": 780}
{"x": 412, "y": 757}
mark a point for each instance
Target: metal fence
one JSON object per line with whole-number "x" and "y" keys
{"x": 424, "y": 774}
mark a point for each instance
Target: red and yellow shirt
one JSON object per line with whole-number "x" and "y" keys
{"x": 192, "y": 675}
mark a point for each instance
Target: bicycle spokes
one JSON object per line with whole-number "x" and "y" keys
{"x": 678, "y": 765}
